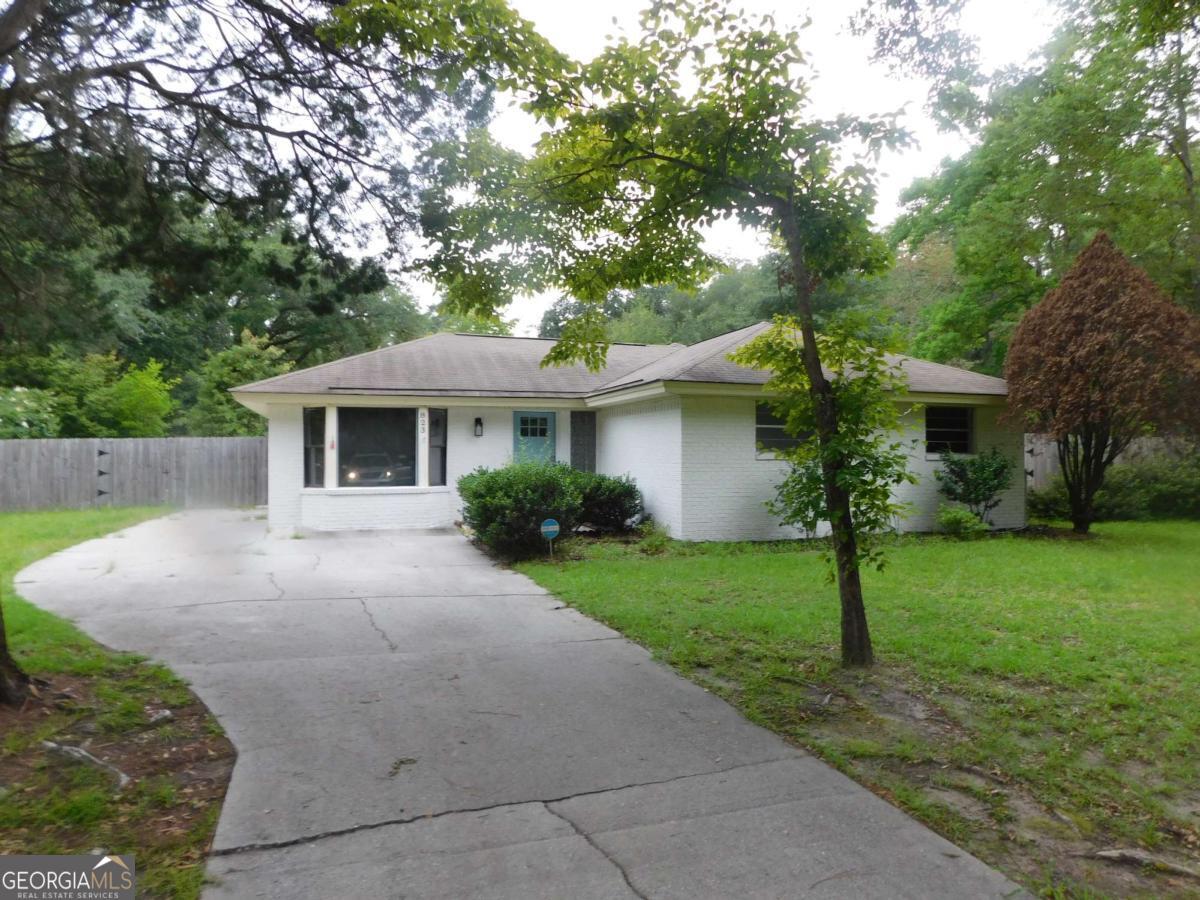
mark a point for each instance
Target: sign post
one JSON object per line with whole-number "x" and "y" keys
{"x": 550, "y": 532}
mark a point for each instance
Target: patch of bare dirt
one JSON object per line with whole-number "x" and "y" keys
{"x": 990, "y": 811}
{"x": 178, "y": 765}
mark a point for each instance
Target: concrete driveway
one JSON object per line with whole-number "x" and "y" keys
{"x": 413, "y": 721}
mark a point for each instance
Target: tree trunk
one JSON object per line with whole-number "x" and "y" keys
{"x": 856, "y": 638}
{"x": 1084, "y": 457}
{"x": 14, "y": 684}
{"x": 1180, "y": 141}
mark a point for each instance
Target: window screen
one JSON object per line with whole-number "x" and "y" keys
{"x": 948, "y": 428}
{"x": 769, "y": 433}
{"x": 314, "y": 447}
{"x": 437, "y": 446}
{"x": 377, "y": 447}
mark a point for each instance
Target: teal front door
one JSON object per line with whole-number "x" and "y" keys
{"x": 533, "y": 436}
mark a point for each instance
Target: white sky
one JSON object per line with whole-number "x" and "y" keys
{"x": 846, "y": 81}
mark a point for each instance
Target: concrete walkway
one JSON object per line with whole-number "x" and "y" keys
{"x": 413, "y": 721}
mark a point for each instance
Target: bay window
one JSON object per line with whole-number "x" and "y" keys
{"x": 374, "y": 447}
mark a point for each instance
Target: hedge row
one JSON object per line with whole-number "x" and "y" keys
{"x": 1159, "y": 488}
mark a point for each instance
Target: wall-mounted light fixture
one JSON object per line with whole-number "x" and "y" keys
{"x": 478, "y": 427}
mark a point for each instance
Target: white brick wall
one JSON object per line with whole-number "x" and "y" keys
{"x": 726, "y": 483}
{"x": 350, "y": 509}
{"x": 644, "y": 440}
{"x": 465, "y": 452}
{"x": 694, "y": 459}
{"x": 924, "y": 496}
{"x": 285, "y": 466}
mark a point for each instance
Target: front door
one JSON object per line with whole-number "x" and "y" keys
{"x": 533, "y": 436}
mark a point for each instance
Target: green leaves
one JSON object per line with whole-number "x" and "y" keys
{"x": 700, "y": 118}
{"x": 975, "y": 481}
{"x": 862, "y": 456}
{"x": 216, "y": 413}
{"x": 1095, "y": 139}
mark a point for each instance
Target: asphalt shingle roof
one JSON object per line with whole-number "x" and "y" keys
{"x": 487, "y": 365}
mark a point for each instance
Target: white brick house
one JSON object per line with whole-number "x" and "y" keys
{"x": 379, "y": 440}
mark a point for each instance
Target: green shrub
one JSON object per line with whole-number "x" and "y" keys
{"x": 1157, "y": 488}
{"x": 609, "y": 502}
{"x": 27, "y": 413}
{"x": 960, "y": 522}
{"x": 506, "y": 507}
{"x": 975, "y": 481}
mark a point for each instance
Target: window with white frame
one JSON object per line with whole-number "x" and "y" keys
{"x": 770, "y": 434}
{"x": 533, "y": 426}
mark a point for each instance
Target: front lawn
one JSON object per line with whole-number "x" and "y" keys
{"x": 1036, "y": 699}
{"x": 127, "y": 713}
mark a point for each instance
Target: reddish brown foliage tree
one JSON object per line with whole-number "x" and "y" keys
{"x": 1104, "y": 358}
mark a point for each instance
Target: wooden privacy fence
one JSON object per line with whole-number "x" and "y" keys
{"x": 79, "y": 472}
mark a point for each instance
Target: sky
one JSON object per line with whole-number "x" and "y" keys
{"x": 845, "y": 81}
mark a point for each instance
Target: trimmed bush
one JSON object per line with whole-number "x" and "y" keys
{"x": 1156, "y": 488}
{"x": 609, "y": 502}
{"x": 960, "y": 522}
{"x": 506, "y": 507}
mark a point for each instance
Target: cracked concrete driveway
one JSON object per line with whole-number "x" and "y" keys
{"x": 413, "y": 721}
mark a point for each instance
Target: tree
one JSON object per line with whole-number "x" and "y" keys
{"x": 1063, "y": 154}
{"x": 1098, "y": 134}
{"x": 246, "y": 103}
{"x": 631, "y": 170}
{"x": 975, "y": 481}
{"x": 1104, "y": 358}
{"x": 14, "y": 683}
{"x": 924, "y": 38}
{"x": 101, "y": 396}
{"x": 870, "y": 461}
{"x": 216, "y": 413}
{"x": 565, "y": 308}
{"x": 469, "y": 323}
{"x": 640, "y": 324}
{"x": 137, "y": 404}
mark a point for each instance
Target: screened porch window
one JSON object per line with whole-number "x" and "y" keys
{"x": 769, "y": 434}
{"x": 949, "y": 429}
{"x": 314, "y": 447}
{"x": 377, "y": 447}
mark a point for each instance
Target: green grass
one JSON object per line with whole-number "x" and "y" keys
{"x": 43, "y": 643}
{"x": 1069, "y": 668}
{"x": 63, "y": 808}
